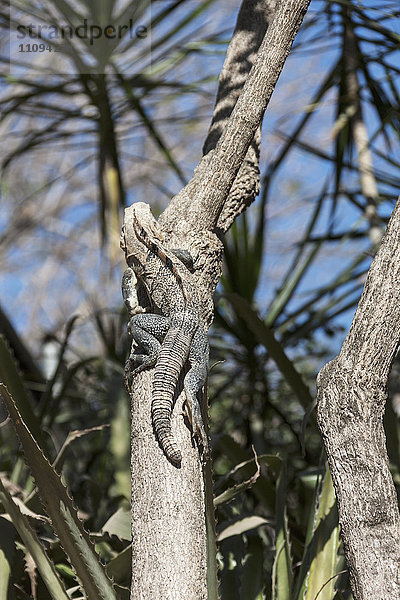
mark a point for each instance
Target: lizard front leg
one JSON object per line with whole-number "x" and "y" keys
{"x": 148, "y": 331}
{"x": 194, "y": 381}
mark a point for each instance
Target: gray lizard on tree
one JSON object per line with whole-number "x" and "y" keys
{"x": 172, "y": 333}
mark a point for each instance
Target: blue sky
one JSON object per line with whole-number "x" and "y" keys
{"x": 292, "y": 196}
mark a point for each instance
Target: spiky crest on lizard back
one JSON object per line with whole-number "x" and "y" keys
{"x": 148, "y": 231}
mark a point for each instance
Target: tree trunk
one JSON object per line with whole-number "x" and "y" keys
{"x": 169, "y": 503}
{"x": 351, "y": 402}
{"x": 168, "y": 524}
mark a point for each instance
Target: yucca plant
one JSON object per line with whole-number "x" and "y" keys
{"x": 277, "y": 523}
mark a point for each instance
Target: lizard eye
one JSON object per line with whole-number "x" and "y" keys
{"x": 185, "y": 257}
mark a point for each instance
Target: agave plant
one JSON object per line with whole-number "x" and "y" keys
{"x": 277, "y": 526}
{"x": 99, "y": 65}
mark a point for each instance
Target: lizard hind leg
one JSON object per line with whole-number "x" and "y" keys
{"x": 148, "y": 331}
{"x": 194, "y": 381}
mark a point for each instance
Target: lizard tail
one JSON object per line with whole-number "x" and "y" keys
{"x": 172, "y": 356}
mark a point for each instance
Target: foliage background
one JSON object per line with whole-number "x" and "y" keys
{"x": 75, "y": 149}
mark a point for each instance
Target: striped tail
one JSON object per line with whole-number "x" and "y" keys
{"x": 172, "y": 356}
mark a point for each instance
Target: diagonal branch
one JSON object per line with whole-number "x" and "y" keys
{"x": 252, "y": 22}
{"x": 201, "y": 201}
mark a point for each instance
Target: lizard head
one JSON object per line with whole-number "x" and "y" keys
{"x": 145, "y": 218}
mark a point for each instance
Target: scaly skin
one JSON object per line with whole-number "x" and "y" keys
{"x": 169, "y": 339}
{"x": 171, "y": 358}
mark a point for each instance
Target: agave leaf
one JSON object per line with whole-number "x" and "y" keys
{"x": 263, "y": 488}
{"x": 232, "y": 550}
{"x": 74, "y": 435}
{"x": 62, "y": 512}
{"x": 266, "y": 337}
{"x": 27, "y": 512}
{"x": 22, "y": 354}
{"x": 119, "y": 524}
{"x": 11, "y": 377}
{"x": 7, "y": 552}
{"x": 252, "y": 578}
{"x": 34, "y": 547}
{"x": 321, "y": 579}
{"x": 119, "y": 568}
{"x": 124, "y": 593}
{"x": 272, "y": 461}
{"x": 234, "y": 491}
{"x": 282, "y": 574}
{"x": 242, "y": 526}
{"x": 66, "y": 571}
{"x": 319, "y": 565}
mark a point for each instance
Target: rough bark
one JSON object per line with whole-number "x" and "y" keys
{"x": 168, "y": 503}
{"x": 199, "y": 205}
{"x": 253, "y": 19}
{"x": 351, "y": 402}
{"x": 168, "y": 526}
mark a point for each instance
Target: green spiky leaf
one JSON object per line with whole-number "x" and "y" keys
{"x": 62, "y": 512}
{"x": 319, "y": 566}
{"x": 34, "y": 547}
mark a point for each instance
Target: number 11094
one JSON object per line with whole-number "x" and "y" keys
{"x": 35, "y": 48}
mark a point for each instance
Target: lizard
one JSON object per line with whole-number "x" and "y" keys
{"x": 170, "y": 338}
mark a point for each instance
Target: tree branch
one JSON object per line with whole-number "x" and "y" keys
{"x": 351, "y": 401}
{"x": 199, "y": 204}
{"x": 252, "y": 22}
{"x": 168, "y": 503}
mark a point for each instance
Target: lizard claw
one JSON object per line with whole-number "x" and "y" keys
{"x": 128, "y": 375}
{"x": 194, "y": 416}
{"x": 135, "y": 364}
